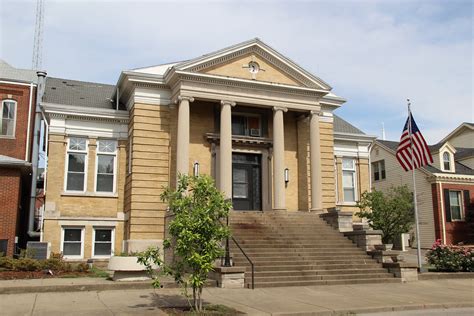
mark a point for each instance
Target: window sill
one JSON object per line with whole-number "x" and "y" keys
{"x": 90, "y": 194}
{"x": 7, "y": 137}
{"x": 347, "y": 203}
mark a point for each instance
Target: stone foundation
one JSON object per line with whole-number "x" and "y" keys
{"x": 229, "y": 277}
{"x": 338, "y": 219}
{"x": 365, "y": 239}
{"x": 408, "y": 272}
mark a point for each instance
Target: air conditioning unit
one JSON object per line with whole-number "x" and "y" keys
{"x": 39, "y": 250}
{"x": 254, "y": 132}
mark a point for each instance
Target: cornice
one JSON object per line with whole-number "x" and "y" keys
{"x": 245, "y": 83}
{"x": 89, "y": 114}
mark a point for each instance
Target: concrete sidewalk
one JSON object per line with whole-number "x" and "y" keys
{"x": 316, "y": 300}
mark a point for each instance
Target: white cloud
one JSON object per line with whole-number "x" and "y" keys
{"x": 375, "y": 54}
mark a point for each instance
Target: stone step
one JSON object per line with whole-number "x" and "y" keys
{"x": 322, "y": 251}
{"x": 248, "y": 273}
{"x": 318, "y": 277}
{"x": 295, "y": 246}
{"x": 300, "y": 261}
{"x": 323, "y": 282}
{"x": 296, "y": 255}
{"x": 315, "y": 267}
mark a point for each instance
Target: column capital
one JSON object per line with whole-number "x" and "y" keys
{"x": 185, "y": 98}
{"x": 280, "y": 108}
{"x": 227, "y": 102}
{"x": 314, "y": 112}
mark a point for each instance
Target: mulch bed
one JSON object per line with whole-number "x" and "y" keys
{"x": 14, "y": 275}
{"x": 208, "y": 310}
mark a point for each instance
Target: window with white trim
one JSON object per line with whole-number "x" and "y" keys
{"x": 455, "y": 204}
{"x": 446, "y": 161}
{"x": 349, "y": 179}
{"x": 103, "y": 242}
{"x": 72, "y": 242}
{"x": 106, "y": 165}
{"x": 76, "y": 164}
{"x": 378, "y": 170}
{"x": 8, "y": 119}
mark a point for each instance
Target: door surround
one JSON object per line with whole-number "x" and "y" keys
{"x": 265, "y": 165}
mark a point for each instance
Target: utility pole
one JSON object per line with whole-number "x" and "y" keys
{"x": 38, "y": 40}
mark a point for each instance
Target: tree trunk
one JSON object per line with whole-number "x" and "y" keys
{"x": 195, "y": 299}
{"x": 200, "y": 298}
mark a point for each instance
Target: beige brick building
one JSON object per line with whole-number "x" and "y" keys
{"x": 255, "y": 121}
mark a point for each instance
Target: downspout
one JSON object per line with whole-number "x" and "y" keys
{"x": 46, "y": 143}
{"x": 370, "y": 166}
{"x": 35, "y": 154}
{"x": 27, "y": 151}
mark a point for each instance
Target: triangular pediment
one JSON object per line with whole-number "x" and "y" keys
{"x": 239, "y": 61}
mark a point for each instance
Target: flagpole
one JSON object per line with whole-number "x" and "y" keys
{"x": 417, "y": 223}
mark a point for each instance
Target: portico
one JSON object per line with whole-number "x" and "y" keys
{"x": 276, "y": 146}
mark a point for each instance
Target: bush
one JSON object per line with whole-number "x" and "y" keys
{"x": 391, "y": 212}
{"x": 27, "y": 264}
{"x": 54, "y": 264}
{"x": 450, "y": 258}
{"x": 7, "y": 263}
{"x": 82, "y": 267}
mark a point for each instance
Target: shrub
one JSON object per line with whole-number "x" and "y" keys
{"x": 450, "y": 258}
{"x": 52, "y": 263}
{"x": 7, "y": 263}
{"x": 390, "y": 212}
{"x": 82, "y": 267}
{"x": 27, "y": 264}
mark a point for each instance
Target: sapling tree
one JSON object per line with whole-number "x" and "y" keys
{"x": 391, "y": 212}
{"x": 196, "y": 232}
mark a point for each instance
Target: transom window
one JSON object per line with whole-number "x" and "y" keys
{"x": 103, "y": 242}
{"x": 246, "y": 125}
{"x": 106, "y": 161}
{"x": 349, "y": 179}
{"x": 76, "y": 164}
{"x": 7, "y": 122}
{"x": 455, "y": 205}
{"x": 378, "y": 169}
{"x": 446, "y": 161}
{"x": 72, "y": 242}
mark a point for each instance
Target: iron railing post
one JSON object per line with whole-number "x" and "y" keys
{"x": 227, "y": 250}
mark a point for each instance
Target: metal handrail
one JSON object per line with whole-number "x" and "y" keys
{"x": 248, "y": 259}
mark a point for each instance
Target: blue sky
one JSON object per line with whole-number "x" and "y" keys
{"x": 376, "y": 54}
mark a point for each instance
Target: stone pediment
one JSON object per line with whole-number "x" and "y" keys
{"x": 256, "y": 61}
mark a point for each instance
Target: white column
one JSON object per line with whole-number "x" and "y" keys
{"x": 278, "y": 159}
{"x": 315, "y": 162}
{"x": 182, "y": 152}
{"x": 225, "y": 149}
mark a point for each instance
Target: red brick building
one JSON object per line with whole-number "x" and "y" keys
{"x": 17, "y": 112}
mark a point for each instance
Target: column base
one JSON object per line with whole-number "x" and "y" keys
{"x": 279, "y": 209}
{"x": 317, "y": 210}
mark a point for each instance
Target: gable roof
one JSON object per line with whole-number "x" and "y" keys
{"x": 79, "y": 93}
{"x": 342, "y": 126}
{"x": 460, "y": 168}
{"x": 8, "y": 72}
{"x": 468, "y": 125}
{"x": 254, "y": 44}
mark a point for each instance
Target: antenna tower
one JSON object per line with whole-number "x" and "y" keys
{"x": 38, "y": 41}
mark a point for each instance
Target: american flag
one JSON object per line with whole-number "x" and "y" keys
{"x": 421, "y": 152}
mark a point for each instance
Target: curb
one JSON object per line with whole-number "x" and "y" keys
{"x": 379, "y": 309}
{"x": 79, "y": 287}
{"x": 445, "y": 275}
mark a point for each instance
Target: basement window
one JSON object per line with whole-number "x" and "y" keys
{"x": 72, "y": 246}
{"x": 103, "y": 242}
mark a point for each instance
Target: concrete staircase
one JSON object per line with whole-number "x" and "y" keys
{"x": 298, "y": 249}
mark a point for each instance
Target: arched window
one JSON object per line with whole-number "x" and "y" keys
{"x": 446, "y": 161}
{"x": 8, "y": 116}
